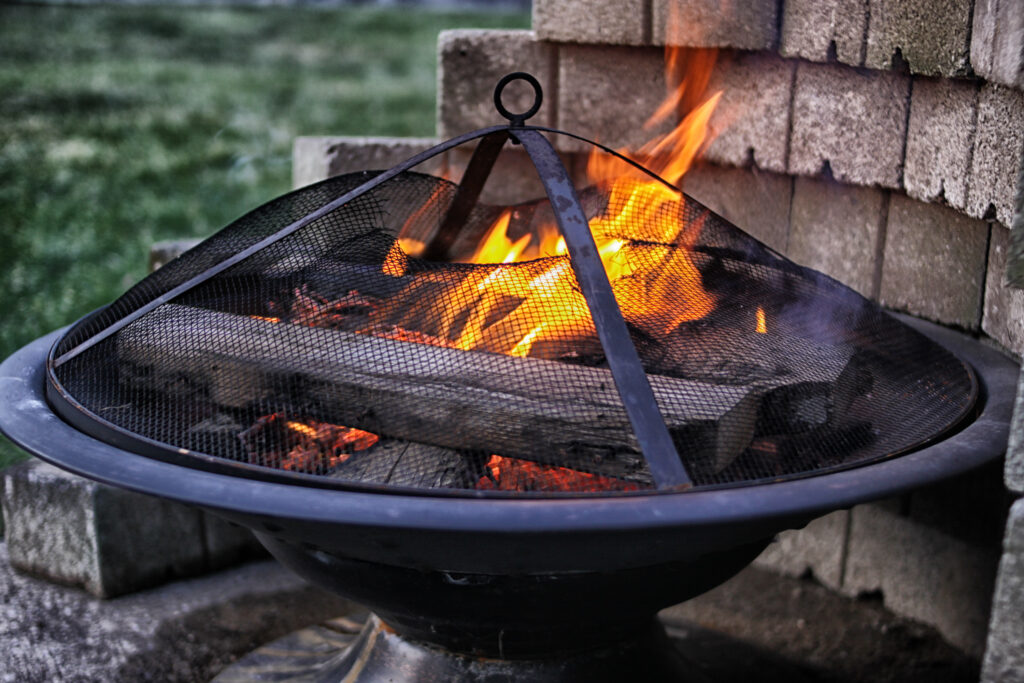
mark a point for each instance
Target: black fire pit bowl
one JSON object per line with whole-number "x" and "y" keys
{"x": 514, "y": 578}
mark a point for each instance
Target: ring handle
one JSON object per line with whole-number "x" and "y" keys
{"x": 518, "y": 119}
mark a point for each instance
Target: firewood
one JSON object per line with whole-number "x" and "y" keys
{"x": 521, "y": 407}
{"x": 406, "y": 463}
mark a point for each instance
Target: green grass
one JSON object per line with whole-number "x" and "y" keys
{"x": 120, "y": 126}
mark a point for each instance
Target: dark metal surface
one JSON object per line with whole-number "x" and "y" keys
{"x": 509, "y": 535}
{"x": 472, "y": 183}
{"x": 623, "y": 361}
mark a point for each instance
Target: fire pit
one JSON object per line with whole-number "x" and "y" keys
{"x": 514, "y": 433}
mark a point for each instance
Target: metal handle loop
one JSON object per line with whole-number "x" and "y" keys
{"x": 518, "y": 119}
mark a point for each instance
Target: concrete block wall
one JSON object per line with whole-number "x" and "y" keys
{"x": 879, "y": 141}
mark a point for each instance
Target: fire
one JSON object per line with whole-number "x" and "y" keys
{"x": 762, "y": 323}
{"x": 642, "y": 238}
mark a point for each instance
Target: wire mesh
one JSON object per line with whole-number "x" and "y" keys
{"x": 336, "y": 353}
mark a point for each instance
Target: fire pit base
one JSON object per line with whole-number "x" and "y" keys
{"x": 378, "y": 653}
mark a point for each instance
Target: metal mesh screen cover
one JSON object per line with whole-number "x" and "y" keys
{"x": 337, "y": 354}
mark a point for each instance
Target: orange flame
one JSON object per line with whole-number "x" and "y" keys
{"x": 762, "y": 323}
{"x": 642, "y": 238}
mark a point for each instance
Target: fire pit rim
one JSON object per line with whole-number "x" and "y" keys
{"x": 24, "y": 409}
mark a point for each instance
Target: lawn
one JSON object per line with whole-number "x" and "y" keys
{"x": 120, "y": 126}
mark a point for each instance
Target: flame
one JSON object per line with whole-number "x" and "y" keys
{"x": 642, "y": 239}
{"x": 762, "y": 323}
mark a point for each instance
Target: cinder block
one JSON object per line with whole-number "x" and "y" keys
{"x": 608, "y": 93}
{"x": 997, "y": 41}
{"x": 470, "y": 64}
{"x": 930, "y": 35}
{"x": 756, "y": 201}
{"x": 998, "y": 153}
{"x": 934, "y": 262}
{"x": 751, "y": 121}
{"x": 940, "y": 137}
{"x": 853, "y": 121}
{"x": 922, "y": 573}
{"x": 1003, "y": 317}
{"x": 836, "y": 229}
{"x": 317, "y": 158}
{"x": 1013, "y": 473}
{"x": 106, "y": 540}
{"x": 813, "y": 29}
{"x": 1004, "y": 656}
{"x": 616, "y": 22}
{"x": 748, "y": 25}
{"x": 819, "y": 548}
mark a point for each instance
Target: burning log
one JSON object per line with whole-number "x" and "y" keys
{"x": 444, "y": 397}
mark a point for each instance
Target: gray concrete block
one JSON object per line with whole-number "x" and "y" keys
{"x": 813, "y": 29}
{"x": 615, "y": 22}
{"x": 749, "y": 25}
{"x": 997, "y": 41}
{"x": 178, "y": 633}
{"x": 940, "y": 139}
{"x": 108, "y": 541}
{"x": 818, "y": 548}
{"x": 470, "y": 64}
{"x": 1004, "y": 656}
{"x": 317, "y": 158}
{"x": 998, "y": 154}
{"x": 854, "y": 121}
{"x": 751, "y": 121}
{"x": 1013, "y": 472}
{"x": 756, "y": 201}
{"x": 1015, "y": 256}
{"x": 922, "y": 573}
{"x": 1003, "y": 316}
{"x": 162, "y": 252}
{"x": 836, "y": 229}
{"x": 931, "y": 35}
{"x": 608, "y": 93}
{"x": 934, "y": 262}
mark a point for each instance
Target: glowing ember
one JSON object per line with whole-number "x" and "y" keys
{"x": 762, "y": 324}
{"x": 307, "y": 446}
{"x": 512, "y": 474}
